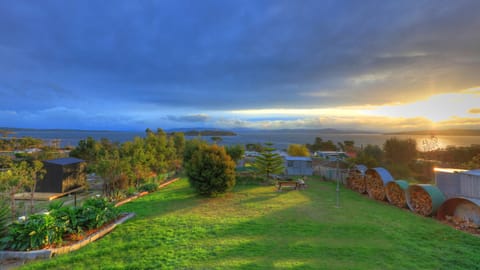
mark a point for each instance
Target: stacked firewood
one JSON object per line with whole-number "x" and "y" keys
{"x": 375, "y": 187}
{"x": 420, "y": 202}
{"x": 461, "y": 223}
{"x": 395, "y": 194}
{"x": 356, "y": 181}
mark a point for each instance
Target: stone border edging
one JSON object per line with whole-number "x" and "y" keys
{"x": 145, "y": 192}
{"x": 48, "y": 253}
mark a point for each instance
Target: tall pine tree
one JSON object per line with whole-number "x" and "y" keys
{"x": 268, "y": 162}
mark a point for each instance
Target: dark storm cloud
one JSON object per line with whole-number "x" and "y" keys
{"x": 217, "y": 55}
{"x": 189, "y": 118}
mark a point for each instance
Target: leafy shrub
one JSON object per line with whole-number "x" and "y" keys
{"x": 36, "y": 232}
{"x": 118, "y": 195}
{"x": 41, "y": 230}
{"x": 131, "y": 191}
{"x": 68, "y": 216}
{"x": 95, "y": 212}
{"x": 211, "y": 171}
{"x": 150, "y": 187}
{"x": 249, "y": 179}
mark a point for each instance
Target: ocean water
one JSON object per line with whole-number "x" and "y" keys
{"x": 280, "y": 139}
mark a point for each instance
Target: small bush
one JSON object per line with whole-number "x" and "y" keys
{"x": 37, "y": 231}
{"x": 95, "y": 212}
{"x": 150, "y": 187}
{"x": 249, "y": 179}
{"x": 131, "y": 191}
{"x": 69, "y": 216}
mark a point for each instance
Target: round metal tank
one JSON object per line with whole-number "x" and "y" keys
{"x": 395, "y": 192}
{"x": 460, "y": 209}
{"x": 424, "y": 199}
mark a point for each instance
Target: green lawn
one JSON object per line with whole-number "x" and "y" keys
{"x": 256, "y": 227}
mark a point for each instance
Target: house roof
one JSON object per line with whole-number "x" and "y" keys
{"x": 473, "y": 172}
{"x": 64, "y": 161}
{"x": 291, "y": 158}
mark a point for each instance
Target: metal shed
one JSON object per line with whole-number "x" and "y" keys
{"x": 298, "y": 165}
{"x": 448, "y": 181}
{"x": 462, "y": 189}
{"x": 62, "y": 175}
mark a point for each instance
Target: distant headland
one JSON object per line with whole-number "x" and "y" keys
{"x": 209, "y": 133}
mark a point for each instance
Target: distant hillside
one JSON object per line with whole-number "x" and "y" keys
{"x": 446, "y": 132}
{"x": 209, "y": 133}
{"x": 319, "y": 131}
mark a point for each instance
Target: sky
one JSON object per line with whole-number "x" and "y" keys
{"x": 131, "y": 65}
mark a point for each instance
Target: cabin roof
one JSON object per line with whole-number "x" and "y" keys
{"x": 64, "y": 161}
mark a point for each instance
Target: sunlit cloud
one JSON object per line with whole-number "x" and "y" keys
{"x": 340, "y": 111}
{"x": 368, "y": 123}
{"x": 410, "y": 54}
{"x": 474, "y": 111}
{"x": 437, "y": 108}
{"x": 369, "y": 78}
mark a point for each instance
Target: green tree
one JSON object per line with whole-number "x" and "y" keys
{"x": 110, "y": 169}
{"x": 179, "y": 141}
{"x": 87, "y": 150}
{"x": 254, "y": 147}
{"x": 400, "y": 151}
{"x": 298, "y": 150}
{"x": 12, "y": 182}
{"x": 5, "y": 162}
{"x": 191, "y": 147}
{"x": 268, "y": 162}
{"x": 34, "y": 173}
{"x": 236, "y": 152}
{"x": 321, "y": 145}
{"x": 347, "y": 146}
{"x": 211, "y": 171}
{"x": 474, "y": 163}
{"x": 137, "y": 155}
{"x": 371, "y": 156}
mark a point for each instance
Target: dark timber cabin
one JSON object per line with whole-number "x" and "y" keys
{"x": 62, "y": 175}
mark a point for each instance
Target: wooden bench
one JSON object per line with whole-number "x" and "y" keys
{"x": 291, "y": 184}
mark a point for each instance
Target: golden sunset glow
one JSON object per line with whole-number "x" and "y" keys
{"x": 436, "y": 108}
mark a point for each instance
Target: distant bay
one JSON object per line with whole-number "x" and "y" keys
{"x": 280, "y": 138}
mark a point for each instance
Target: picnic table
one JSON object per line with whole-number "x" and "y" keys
{"x": 295, "y": 184}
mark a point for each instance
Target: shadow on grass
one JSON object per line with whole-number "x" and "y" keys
{"x": 295, "y": 237}
{"x": 259, "y": 228}
{"x": 174, "y": 197}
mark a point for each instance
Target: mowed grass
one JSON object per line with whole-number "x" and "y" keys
{"x": 256, "y": 227}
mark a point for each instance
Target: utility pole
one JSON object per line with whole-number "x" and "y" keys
{"x": 338, "y": 186}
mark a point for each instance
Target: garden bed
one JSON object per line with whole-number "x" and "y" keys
{"x": 72, "y": 242}
{"x": 14, "y": 256}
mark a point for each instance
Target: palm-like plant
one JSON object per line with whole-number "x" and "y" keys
{"x": 4, "y": 217}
